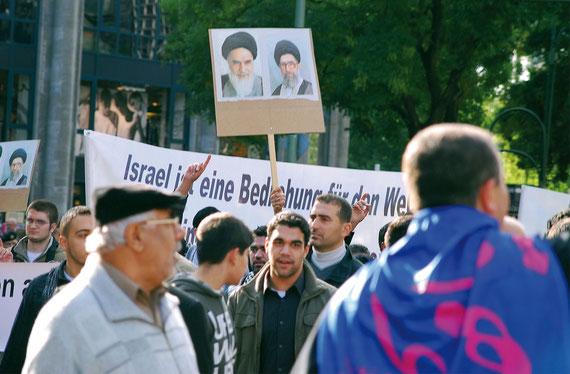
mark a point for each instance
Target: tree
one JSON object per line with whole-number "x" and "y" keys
{"x": 394, "y": 66}
{"x": 522, "y": 131}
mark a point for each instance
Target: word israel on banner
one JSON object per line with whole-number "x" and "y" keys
{"x": 242, "y": 186}
{"x": 538, "y": 205}
{"x": 14, "y": 279}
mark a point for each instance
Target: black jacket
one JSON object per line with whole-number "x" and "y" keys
{"x": 196, "y": 321}
{"x": 343, "y": 270}
{"x": 38, "y": 293}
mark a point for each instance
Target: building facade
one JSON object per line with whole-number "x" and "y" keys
{"x": 71, "y": 65}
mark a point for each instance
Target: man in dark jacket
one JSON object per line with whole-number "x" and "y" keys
{"x": 222, "y": 243}
{"x": 39, "y": 245}
{"x": 330, "y": 221}
{"x": 457, "y": 294}
{"x": 75, "y": 226}
{"x": 274, "y": 313}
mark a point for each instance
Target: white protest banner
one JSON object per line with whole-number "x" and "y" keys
{"x": 242, "y": 186}
{"x": 14, "y": 279}
{"x": 537, "y": 205}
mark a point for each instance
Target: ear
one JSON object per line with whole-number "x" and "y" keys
{"x": 306, "y": 250}
{"x": 346, "y": 229}
{"x": 486, "y": 201}
{"x": 63, "y": 243}
{"x": 133, "y": 237}
{"x": 232, "y": 255}
{"x": 53, "y": 226}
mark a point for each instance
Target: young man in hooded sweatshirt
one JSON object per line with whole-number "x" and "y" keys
{"x": 222, "y": 243}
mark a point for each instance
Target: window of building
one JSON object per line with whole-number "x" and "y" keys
{"x": 136, "y": 25}
{"x": 128, "y": 111}
{"x": 5, "y": 7}
{"x": 24, "y": 32}
{"x": 20, "y": 99}
{"x": 26, "y": 9}
{"x": 3, "y": 99}
{"x": 4, "y": 30}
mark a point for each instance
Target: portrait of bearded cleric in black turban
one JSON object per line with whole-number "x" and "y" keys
{"x": 240, "y": 51}
{"x": 288, "y": 58}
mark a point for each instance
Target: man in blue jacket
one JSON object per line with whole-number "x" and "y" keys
{"x": 455, "y": 294}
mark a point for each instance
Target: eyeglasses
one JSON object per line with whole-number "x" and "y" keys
{"x": 38, "y": 222}
{"x": 165, "y": 221}
{"x": 288, "y": 64}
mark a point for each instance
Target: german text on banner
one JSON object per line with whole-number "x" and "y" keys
{"x": 14, "y": 279}
{"x": 242, "y": 186}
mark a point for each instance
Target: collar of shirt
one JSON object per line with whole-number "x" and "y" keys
{"x": 299, "y": 283}
{"x": 323, "y": 260}
{"x": 148, "y": 302}
{"x": 51, "y": 239}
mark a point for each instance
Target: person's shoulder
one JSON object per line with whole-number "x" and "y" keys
{"x": 65, "y": 305}
{"x": 328, "y": 289}
{"x": 277, "y": 90}
{"x": 225, "y": 79}
{"x": 40, "y": 281}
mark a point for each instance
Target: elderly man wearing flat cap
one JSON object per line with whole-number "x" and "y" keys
{"x": 115, "y": 316}
{"x": 17, "y": 161}
{"x": 240, "y": 50}
{"x": 288, "y": 58}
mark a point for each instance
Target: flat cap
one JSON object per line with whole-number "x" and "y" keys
{"x": 18, "y": 153}
{"x": 118, "y": 202}
{"x": 240, "y": 39}
{"x": 284, "y": 47}
{"x": 9, "y": 235}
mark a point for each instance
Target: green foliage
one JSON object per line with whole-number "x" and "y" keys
{"x": 523, "y": 131}
{"x": 396, "y": 66}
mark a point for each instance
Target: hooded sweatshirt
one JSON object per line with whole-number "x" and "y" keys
{"x": 221, "y": 335}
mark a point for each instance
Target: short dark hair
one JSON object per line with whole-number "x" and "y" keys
{"x": 358, "y": 248}
{"x": 561, "y": 226}
{"x": 397, "y": 229}
{"x": 381, "y": 234}
{"x": 66, "y": 219}
{"x": 260, "y": 231}
{"x": 290, "y": 219}
{"x": 447, "y": 164}
{"x": 201, "y": 214}
{"x": 45, "y": 206}
{"x": 345, "y": 212}
{"x": 218, "y": 234}
{"x": 557, "y": 217}
{"x": 362, "y": 257}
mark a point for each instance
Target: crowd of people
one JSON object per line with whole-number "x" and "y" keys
{"x": 456, "y": 287}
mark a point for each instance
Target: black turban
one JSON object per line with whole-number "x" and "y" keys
{"x": 284, "y": 47}
{"x": 239, "y": 40}
{"x": 18, "y": 153}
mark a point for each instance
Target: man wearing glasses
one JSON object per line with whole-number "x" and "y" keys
{"x": 39, "y": 245}
{"x": 116, "y": 316}
{"x": 288, "y": 58}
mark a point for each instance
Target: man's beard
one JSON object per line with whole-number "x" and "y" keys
{"x": 15, "y": 176}
{"x": 243, "y": 86}
{"x": 291, "y": 82}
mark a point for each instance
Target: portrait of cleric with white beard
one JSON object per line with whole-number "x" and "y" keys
{"x": 240, "y": 51}
{"x": 288, "y": 59}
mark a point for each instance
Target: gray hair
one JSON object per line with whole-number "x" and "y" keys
{"x": 111, "y": 236}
